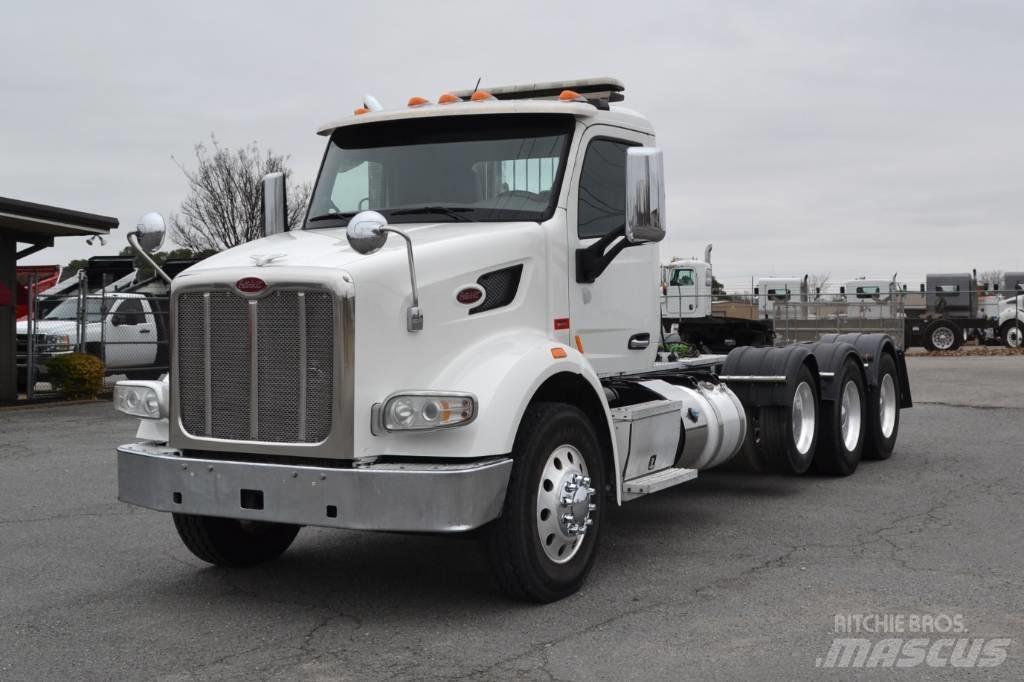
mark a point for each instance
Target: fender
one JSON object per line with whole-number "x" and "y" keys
{"x": 830, "y": 357}
{"x": 871, "y": 347}
{"x": 755, "y": 361}
{"x": 504, "y": 372}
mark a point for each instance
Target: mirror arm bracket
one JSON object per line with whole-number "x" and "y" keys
{"x": 593, "y": 260}
{"x": 414, "y": 316}
{"x": 133, "y": 240}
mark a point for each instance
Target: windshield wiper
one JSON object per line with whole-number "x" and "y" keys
{"x": 452, "y": 212}
{"x": 329, "y": 216}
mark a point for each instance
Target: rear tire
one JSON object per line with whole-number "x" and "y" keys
{"x": 790, "y": 432}
{"x": 883, "y": 411}
{"x": 942, "y": 335}
{"x": 1012, "y": 334}
{"x": 233, "y": 543}
{"x": 751, "y": 459}
{"x": 843, "y": 423}
{"x": 532, "y": 550}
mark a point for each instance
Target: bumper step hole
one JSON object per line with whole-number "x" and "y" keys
{"x": 332, "y": 511}
{"x": 251, "y": 499}
{"x": 176, "y": 497}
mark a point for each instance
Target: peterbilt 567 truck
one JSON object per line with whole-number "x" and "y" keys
{"x": 462, "y": 336}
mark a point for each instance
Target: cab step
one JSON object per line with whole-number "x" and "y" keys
{"x": 652, "y": 483}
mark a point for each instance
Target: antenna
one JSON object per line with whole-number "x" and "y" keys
{"x": 477, "y": 86}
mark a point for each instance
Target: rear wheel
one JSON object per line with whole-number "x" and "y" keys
{"x": 790, "y": 433}
{"x": 943, "y": 336}
{"x": 231, "y": 542}
{"x": 842, "y": 424}
{"x": 1012, "y": 334}
{"x": 543, "y": 545}
{"x": 883, "y": 412}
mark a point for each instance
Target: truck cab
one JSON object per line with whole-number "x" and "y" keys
{"x": 461, "y": 336}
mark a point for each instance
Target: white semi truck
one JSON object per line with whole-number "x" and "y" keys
{"x": 463, "y": 336}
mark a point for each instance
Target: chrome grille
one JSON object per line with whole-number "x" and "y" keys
{"x": 256, "y": 369}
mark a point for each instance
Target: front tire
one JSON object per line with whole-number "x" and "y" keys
{"x": 233, "y": 543}
{"x": 544, "y": 543}
{"x": 843, "y": 424}
{"x": 1012, "y": 334}
{"x": 943, "y": 336}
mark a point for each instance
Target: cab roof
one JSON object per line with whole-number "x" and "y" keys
{"x": 598, "y": 98}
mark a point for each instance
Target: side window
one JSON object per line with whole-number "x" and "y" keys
{"x": 682, "y": 278}
{"x": 602, "y": 206}
{"x": 130, "y": 311}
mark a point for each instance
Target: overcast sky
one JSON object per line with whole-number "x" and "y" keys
{"x": 851, "y": 138}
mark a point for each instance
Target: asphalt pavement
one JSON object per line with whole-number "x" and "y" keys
{"x": 727, "y": 577}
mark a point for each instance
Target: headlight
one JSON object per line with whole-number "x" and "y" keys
{"x": 55, "y": 342}
{"x": 424, "y": 411}
{"x": 141, "y": 398}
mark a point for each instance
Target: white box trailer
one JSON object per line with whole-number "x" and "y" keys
{"x": 462, "y": 335}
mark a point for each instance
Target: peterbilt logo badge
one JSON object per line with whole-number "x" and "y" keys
{"x": 250, "y": 285}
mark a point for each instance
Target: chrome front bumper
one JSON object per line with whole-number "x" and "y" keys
{"x": 396, "y": 497}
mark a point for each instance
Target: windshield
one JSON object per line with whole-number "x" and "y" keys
{"x": 449, "y": 168}
{"x": 68, "y": 310}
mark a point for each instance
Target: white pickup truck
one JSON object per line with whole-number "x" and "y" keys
{"x": 463, "y": 335}
{"x": 125, "y": 334}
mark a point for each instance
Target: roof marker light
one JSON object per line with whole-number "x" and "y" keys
{"x": 417, "y": 101}
{"x": 571, "y": 96}
{"x": 482, "y": 96}
{"x": 360, "y": 111}
{"x": 448, "y": 98}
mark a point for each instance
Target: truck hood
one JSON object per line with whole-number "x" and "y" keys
{"x": 329, "y": 248}
{"x": 54, "y": 327}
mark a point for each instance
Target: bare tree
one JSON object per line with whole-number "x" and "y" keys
{"x": 224, "y": 207}
{"x": 993, "y": 278}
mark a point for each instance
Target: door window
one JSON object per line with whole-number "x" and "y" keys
{"x": 130, "y": 312}
{"x": 602, "y": 204}
{"x": 682, "y": 278}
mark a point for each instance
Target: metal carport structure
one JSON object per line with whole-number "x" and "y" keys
{"x": 36, "y": 225}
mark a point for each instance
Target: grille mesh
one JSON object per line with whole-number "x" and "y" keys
{"x": 274, "y": 321}
{"x": 501, "y": 287}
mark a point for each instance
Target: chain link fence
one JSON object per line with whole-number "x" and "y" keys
{"x": 127, "y": 330}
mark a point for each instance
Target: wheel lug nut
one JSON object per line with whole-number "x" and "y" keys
{"x": 591, "y": 491}
{"x": 591, "y": 507}
{"x": 566, "y": 501}
{"x": 585, "y": 482}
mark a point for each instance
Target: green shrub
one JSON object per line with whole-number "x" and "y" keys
{"x": 77, "y": 375}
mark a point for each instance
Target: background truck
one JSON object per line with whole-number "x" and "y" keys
{"x": 688, "y": 310}
{"x": 958, "y": 307}
{"x": 510, "y": 386}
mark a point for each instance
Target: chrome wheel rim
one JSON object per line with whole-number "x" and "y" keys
{"x": 850, "y": 416}
{"x": 942, "y": 338}
{"x": 564, "y": 504}
{"x": 887, "y": 406}
{"x": 804, "y": 415}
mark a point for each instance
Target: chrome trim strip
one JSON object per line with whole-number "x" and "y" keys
{"x": 441, "y": 497}
{"x": 302, "y": 365}
{"x": 753, "y": 379}
{"x": 207, "y": 365}
{"x": 254, "y": 382}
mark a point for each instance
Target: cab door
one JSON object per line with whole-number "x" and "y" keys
{"x": 615, "y": 318}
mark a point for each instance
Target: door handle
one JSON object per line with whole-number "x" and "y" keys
{"x": 143, "y": 331}
{"x": 639, "y": 341}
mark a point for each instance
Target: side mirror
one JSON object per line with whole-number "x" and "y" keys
{"x": 645, "y": 195}
{"x": 275, "y": 204}
{"x": 150, "y": 232}
{"x": 365, "y": 231}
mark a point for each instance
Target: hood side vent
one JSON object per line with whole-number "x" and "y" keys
{"x": 501, "y": 287}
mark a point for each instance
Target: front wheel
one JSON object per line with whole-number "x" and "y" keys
{"x": 233, "y": 543}
{"x": 543, "y": 545}
{"x": 1012, "y": 334}
{"x": 943, "y": 336}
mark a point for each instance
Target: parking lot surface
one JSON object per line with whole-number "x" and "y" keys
{"x": 727, "y": 577}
